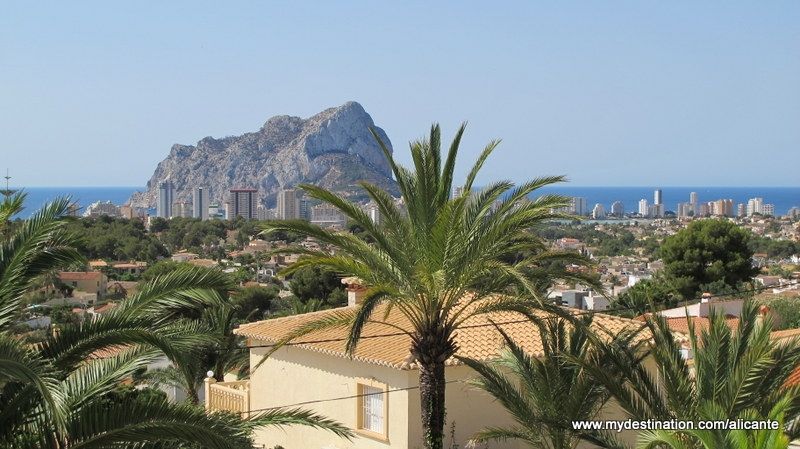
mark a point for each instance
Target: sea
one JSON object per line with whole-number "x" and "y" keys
{"x": 783, "y": 198}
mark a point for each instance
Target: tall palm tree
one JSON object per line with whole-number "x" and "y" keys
{"x": 439, "y": 261}
{"x": 732, "y": 372}
{"x": 52, "y": 394}
{"x": 545, "y": 394}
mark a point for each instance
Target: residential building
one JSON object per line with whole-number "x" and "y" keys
{"x": 381, "y": 368}
{"x": 288, "y": 204}
{"x": 132, "y": 267}
{"x": 755, "y": 206}
{"x": 200, "y": 202}
{"x": 741, "y": 210}
{"x": 166, "y": 193}
{"x": 326, "y": 215}
{"x": 578, "y": 206}
{"x": 644, "y": 209}
{"x": 242, "y": 203}
{"x": 617, "y": 209}
{"x": 94, "y": 282}
{"x": 768, "y": 209}
{"x": 598, "y": 212}
{"x": 373, "y": 212}
{"x": 684, "y": 210}
{"x": 264, "y": 214}
{"x": 694, "y": 201}
{"x": 794, "y": 212}
{"x": 101, "y": 208}
{"x": 182, "y": 209}
{"x": 458, "y": 191}
{"x": 657, "y": 199}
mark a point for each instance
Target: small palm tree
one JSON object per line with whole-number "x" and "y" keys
{"x": 732, "y": 372}
{"x": 438, "y": 260}
{"x": 52, "y": 395}
{"x": 545, "y": 394}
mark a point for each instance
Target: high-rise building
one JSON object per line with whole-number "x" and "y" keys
{"x": 182, "y": 209}
{"x": 617, "y": 209}
{"x": 643, "y": 208}
{"x": 694, "y": 203}
{"x": 326, "y": 215}
{"x": 768, "y": 209}
{"x": 166, "y": 192}
{"x": 655, "y": 211}
{"x": 288, "y": 205}
{"x": 200, "y": 202}
{"x": 741, "y": 210}
{"x": 684, "y": 210}
{"x": 458, "y": 191}
{"x": 242, "y": 203}
{"x": 754, "y": 206}
{"x": 657, "y": 197}
{"x": 598, "y": 212}
{"x": 373, "y": 212}
{"x": 578, "y": 206}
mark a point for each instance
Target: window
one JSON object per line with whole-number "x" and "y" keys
{"x": 372, "y": 408}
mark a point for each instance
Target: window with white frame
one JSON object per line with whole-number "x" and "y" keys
{"x": 372, "y": 408}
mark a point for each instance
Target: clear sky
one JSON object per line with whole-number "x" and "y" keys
{"x": 608, "y": 93}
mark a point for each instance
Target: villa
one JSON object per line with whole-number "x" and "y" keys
{"x": 375, "y": 392}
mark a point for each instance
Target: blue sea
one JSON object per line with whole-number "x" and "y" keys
{"x": 783, "y": 198}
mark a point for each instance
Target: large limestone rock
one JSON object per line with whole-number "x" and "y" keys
{"x": 333, "y": 149}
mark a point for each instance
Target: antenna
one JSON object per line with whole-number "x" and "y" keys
{"x": 7, "y": 191}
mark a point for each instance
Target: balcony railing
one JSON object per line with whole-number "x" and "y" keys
{"x": 228, "y": 396}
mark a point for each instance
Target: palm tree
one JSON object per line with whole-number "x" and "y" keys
{"x": 544, "y": 394}
{"x": 734, "y": 439}
{"x": 52, "y": 395}
{"x": 732, "y": 372}
{"x": 439, "y": 261}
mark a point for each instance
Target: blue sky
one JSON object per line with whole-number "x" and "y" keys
{"x": 608, "y": 93}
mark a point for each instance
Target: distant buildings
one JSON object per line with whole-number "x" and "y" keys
{"x": 757, "y": 206}
{"x": 326, "y": 215}
{"x": 100, "y": 208}
{"x": 200, "y": 197}
{"x": 657, "y": 197}
{"x": 617, "y": 209}
{"x": 242, "y": 203}
{"x": 166, "y": 192}
{"x": 288, "y": 205}
{"x": 598, "y": 212}
{"x": 644, "y": 210}
{"x": 182, "y": 209}
{"x": 578, "y": 206}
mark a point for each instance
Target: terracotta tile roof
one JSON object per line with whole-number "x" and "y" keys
{"x": 79, "y": 275}
{"x": 786, "y": 333}
{"x": 681, "y": 324}
{"x": 477, "y": 338}
{"x": 793, "y": 379}
{"x": 108, "y": 352}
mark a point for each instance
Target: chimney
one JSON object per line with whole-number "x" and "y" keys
{"x": 763, "y": 312}
{"x": 355, "y": 290}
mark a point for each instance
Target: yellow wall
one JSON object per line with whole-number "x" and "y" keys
{"x": 293, "y": 375}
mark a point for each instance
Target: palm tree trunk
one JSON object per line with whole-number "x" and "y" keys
{"x": 432, "y": 389}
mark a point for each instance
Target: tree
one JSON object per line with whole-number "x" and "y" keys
{"x": 707, "y": 251}
{"x": 735, "y": 373}
{"x": 544, "y": 394}
{"x": 58, "y": 394}
{"x": 253, "y": 303}
{"x": 315, "y": 283}
{"x": 439, "y": 262}
{"x": 734, "y": 439}
{"x": 646, "y": 295}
